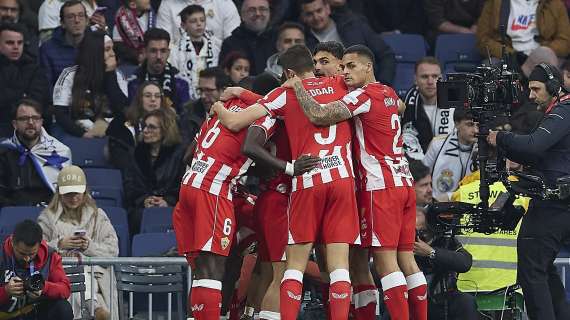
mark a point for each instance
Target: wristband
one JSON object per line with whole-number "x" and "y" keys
{"x": 290, "y": 169}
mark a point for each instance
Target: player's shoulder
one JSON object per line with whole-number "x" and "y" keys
{"x": 235, "y": 105}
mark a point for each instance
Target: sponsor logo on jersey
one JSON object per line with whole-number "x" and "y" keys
{"x": 293, "y": 296}
{"x": 339, "y": 295}
{"x": 329, "y": 162}
{"x": 200, "y": 166}
{"x": 235, "y": 109}
{"x": 224, "y": 242}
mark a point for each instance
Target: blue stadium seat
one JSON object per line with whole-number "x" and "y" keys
{"x": 457, "y": 49}
{"x": 118, "y": 217}
{"x": 156, "y": 220}
{"x": 107, "y": 196}
{"x": 102, "y": 177}
{"x": 10, "y": 216}
{"x": 408, "y": 48}
{"x": 152, "y": 244}
{"x": 87, "y": 152}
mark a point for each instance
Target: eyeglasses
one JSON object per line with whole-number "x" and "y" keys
{"x": 254, "y": 10}
{"x": 150, "y": 127}
{"x": 150, "y": 95}
{"x": 73, "y": 16}
{"x": 27, "y": 119}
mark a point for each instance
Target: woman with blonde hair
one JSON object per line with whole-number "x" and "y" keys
{"x": 153, "y": 176}
{"x": 74, "y": 225}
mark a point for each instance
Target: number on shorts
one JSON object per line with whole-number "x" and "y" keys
{"x": 211, "y": 135}
{"x": 395, "y": 123}
{"x": 227, "y": 227}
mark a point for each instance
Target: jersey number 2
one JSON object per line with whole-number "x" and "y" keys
{"x": 395, "y": 124}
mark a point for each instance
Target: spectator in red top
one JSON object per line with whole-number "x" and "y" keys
{"x": 25, "y": 254}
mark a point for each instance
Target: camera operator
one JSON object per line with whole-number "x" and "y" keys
{"x": 441, "y": 257}
{"x": 546, "y": 151}
{"x": 35, "y": 286}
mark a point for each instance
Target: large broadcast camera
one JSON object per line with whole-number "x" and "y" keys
{"x": 489, "y": 93}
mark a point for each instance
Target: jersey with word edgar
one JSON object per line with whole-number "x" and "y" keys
{"x": 378, "y": 131}
{"x": 218, "y": 161}
{"x": 331, "y": 144}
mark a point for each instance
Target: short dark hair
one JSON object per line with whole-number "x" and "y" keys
{"x": 68, "y": 4}
{"x": 222, "y": 79}
{"x": 190, "y": 10}
{"x": 297, "y": 58}
{"x": 14, "y": 27}
{"x": 264, "y": 83}
{"x": 27, "y": 232}
{"x": 156, "y": 34}
{"x": 232, "y": 57}
{"x": 301, "y": 3}
{"x": 28, "y": 103}
{"x": 427, "y": 60}
{"x": 333, "y": 47}
{"x": 361, "y": 50}
{"x": 290, "y": 25}
{"x": 418, "y": 170}
{"x": 461, "y": 114}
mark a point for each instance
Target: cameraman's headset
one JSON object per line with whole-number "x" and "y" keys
{"x": 552, "y": 84}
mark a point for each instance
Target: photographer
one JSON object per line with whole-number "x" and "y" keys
{"x": 35, "y": 285}
{"x": 546, "y": 152}
{"x": 441, "y": 257}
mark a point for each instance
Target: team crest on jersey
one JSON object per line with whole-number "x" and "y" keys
{"x": 225, "y": 242}
{"x": 389, "y": 101}
{"x": 444, "y": 182}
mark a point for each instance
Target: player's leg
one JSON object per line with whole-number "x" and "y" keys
{"x": 415, "y": 279}
{"x": 270, "y": 303}
{"x": 339, "y": 291}
{"x": 206, "y": 297}
{"x": 364, "y": 292}
{"x": 291, "y": 289}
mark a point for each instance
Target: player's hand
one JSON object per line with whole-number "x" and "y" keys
{"x": 290, "y": 83}
{"x": 305, "y": 163}
{"x": 216, "y": 107}
{"x": 230, "y": 93}
{"x": 421, "y": 248}
{"x": 492, "y": 138}
{"x": 14, "y": 287}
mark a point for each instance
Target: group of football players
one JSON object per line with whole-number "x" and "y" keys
{"x": 335, "y": 180}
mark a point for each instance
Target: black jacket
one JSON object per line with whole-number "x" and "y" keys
{"x": 415, "y": 114}
{"x": 19, "y": 79}
{"x": 20, "y": 185}
{"x": 257, "y": 47}
{"x": 546, "y": 150}
{"x": 121, "y": 143}
{"x": 144, "y": 179}
{"x": 354, "y": 31}
{"x": 194, "y": 116}
{"x": 450, "y": 259}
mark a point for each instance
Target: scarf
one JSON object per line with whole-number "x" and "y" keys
{"x": 48, "y": 156}
{"x": 129, "y": 28}
{"x": 451, "y": 164}
{"x": 166, "y": 79}
{"x": 190, "y": 62}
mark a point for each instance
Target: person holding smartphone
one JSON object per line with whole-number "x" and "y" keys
{"x": 74, "y": 225}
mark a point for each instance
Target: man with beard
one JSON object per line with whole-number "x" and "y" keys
{"x": 31, "y": 160}
{"x": 156, "y": 68}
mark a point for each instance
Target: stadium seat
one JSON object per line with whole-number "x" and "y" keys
{"x": 107, "y": 196}
{"x": 152, "y": 244}
{"x": 102, "y": 177}
{"x": 408, "y": 48}
{"x": 87, "y": 152}
{"x": 10, "y": 216}
{"x": 457, "y": 50}
{"x": 156, "y": 219}
{"x": 118, "y": 217}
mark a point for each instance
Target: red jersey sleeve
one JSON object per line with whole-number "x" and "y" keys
{"x": 249, "y": 97}
{"x": 268, "y": 124}
{"x": 275, "y": 102}
{"x": 357, "y": 102}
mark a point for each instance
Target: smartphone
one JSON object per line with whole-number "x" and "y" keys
{"x": 80, "y": 232}
{"x": 100, "y": 10}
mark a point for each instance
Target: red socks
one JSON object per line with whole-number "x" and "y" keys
{"x": 364, "y": 297}
{"x": 417, "y": 296}
{"x": 290, "y": 294}
{"x": 396, "y": 295}
{"x": 339, "y": 294}
{"x": 206, "y": 299}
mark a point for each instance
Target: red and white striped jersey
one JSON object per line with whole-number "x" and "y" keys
{"x": 378, "y": 131}
{"x": 218, "y": 161}
{"x": 278, "y": 143}
{"x": 332, "y": 144}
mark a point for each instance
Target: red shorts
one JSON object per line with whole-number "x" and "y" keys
{"x": 326, "y": 212}
{"x": 203, "y": 222}
{"x": 271, "y": 221}
{"x": 388, "y": 218}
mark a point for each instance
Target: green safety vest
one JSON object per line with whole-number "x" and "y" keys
{"x": 494, "y": 255}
